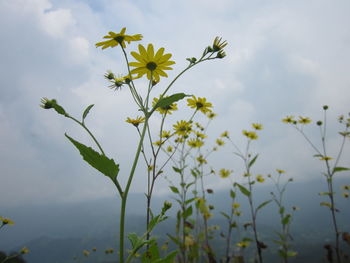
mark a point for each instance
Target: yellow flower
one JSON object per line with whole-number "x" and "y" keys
{"x": 236, "y": 205}
{"x": 220, "y": 142}
{"x": 260, "y": 178}
{"x": 136, "y": 121}
{"x": 346, "y": 194}
{"x": 118, "y": 38}
{"x": 24, "y": 250}
{"x": 280, "y": 171}
{"x": 243, "y": 244}
{"x": 250, "y": 135}
{"x": 225, "y": 134}
{"x": 237, "y": 213}
{"x": 257, "y": 126}
{"x": 211, "y": 115}
{"x": 166, "y": 134}
{"x": 6, "y": 221}
{"x": 304, "y": 120}
{"x": 86, "y": 253}
{"x": 158, "y": 143}
{"x": 151, "y": 64}
{"x": 326, "y": 158}
{"x": 200, "y": 135}
{"x": 182, "y": 127}
{"x": 169, "y": 149}
{"x": 201, "y": 159}
{"x": 288, "y": 119}
{"x": 224, "y": 173}
{"x": 200, "y": 104}
{"x": 195, "y": 143}
{"x": 166, "y": 109}
{"x": 344, "y": 187}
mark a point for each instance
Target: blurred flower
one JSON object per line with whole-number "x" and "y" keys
{"x": 201, "y": 159}
{"x": 195, "y": 143}
{"x": 6, "y": 221}
{"x": 86, "y": 253}
{"x": 224, "y": 173}
{"x": 250, "y": 135}
{"x": 225, "y": 134}
{"x": 257, "y": 126}
{"x": 24, "y": 250}
{"x": 236, "y": 205}
{"x": 280, "y": 171}
{"x": 260, "y": 178}
{"x": 288, "y": 119}
{"x": 304, "y": 120}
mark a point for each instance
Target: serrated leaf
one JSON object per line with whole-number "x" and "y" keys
{"x": 243, "y": 190}
{"x": 263, "y": 204}
{"x": 87, "y": 110}
{"x": 253, "y": 161}
{"x": 340, "y": 169}
{"x": 167, "y": 101}
{"x": 174, "y": 189}
{"x": 100, "y": 162}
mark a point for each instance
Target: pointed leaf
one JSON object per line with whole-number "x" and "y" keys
{"x": 86, "y": 111}
{"x": 263, "y": 204}
{"x": 177, "y": 170}
{"x": 168, "y": 258}
{"x": 243, "y": 190}
{"x": 253, "y": 161}
{"x": 174, "y": 189}
{"x": 167, "y": 101}
{"x": 100, "y": 162}
{"x": 340, "y": 169}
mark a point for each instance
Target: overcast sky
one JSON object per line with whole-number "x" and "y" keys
{"x": 283, "y": 57}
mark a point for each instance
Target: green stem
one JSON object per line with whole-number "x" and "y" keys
{"x": 125, "y": 193}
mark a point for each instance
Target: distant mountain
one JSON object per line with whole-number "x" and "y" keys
{"x": 58, "y": 232}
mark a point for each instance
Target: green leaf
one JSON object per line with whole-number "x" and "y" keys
{"x": 134, "y": 240}
{"x": 243, "y": 190}
{"x": 167, "y": 101}
{"x": 253, "y": 161}
{"x": 340, "y": 169}
{"x": 152, "y": 254}
{"x": 100, "y": 162}
{"x": 174, "y": 189}
{"x": 86, "y": 111}
{"x": 292, "y": 253}
{"x": 188, "y": 212}
{"x": 177, "y": 170}
{"x": 174, "y": 239}
{"x": 190, "y": 200}
{"x": 286, "y": 219}
{"x": 263, "y": 204}
{"x": 225, "y": 215}
{"x": 232, "y": 194}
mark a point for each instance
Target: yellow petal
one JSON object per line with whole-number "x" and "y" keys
{"x": 159, "y": 54}
{"x": 122, "y": 31}
{"x": 150, "y": 52}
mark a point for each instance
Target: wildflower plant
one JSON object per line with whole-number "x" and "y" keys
{"x": 278, "y": 196}
{"x": 330, "y": 162}
{"x": 247, "y": 189}
{"x": 152, "y": 64}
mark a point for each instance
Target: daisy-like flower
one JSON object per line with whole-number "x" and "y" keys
{"x": 260, "y": 178}
{"x": 236, "y": 205}
{"x": 166, "y": 134}
{"x": 220, "y": 142}
{"x": 195, "y": 143}
{"x": 166, "y": 109}
{"x": 6, "y": 221}
{"x": 250, "y": 135}
{"x": 136, "y": 122}
{"x": 326, "y": 158}
{"x": 280, "y": 171}
{"x": 201, "y": 135}
{"x": 182, "y": 128}
{"x": 257, "y": 126}
{"x": 150, "y": 63}
{"x": 225, "y": 134}
{"x": 201, "y": 160}
{"x": 224, "y": 173}
{"x": 288, "y": 119}
{"x": 304, "y": 120}
{"x": 115, "y": 39}
{"x": 200, "y": 104}
{"x": 346, "y": 187}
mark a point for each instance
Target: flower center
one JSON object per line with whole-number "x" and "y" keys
{"x": 199, "y": 105}
{"x": 119, "y": 39}
{"x": 151, "y": 66}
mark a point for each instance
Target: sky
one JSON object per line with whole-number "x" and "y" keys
{"x": 283, "y": 58}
